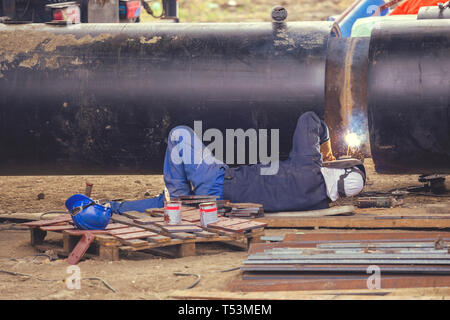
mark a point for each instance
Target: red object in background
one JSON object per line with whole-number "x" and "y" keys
{"x": 58, "y": 15}
{"x": 89, "y": 187}
{"x": 132, "y": 7}
{"x": 71, "y": 14}
{"x": 413, "y": 6}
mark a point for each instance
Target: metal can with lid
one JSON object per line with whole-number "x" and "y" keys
{"x": 172, "y": 212}
{"x": 208, "y": 213}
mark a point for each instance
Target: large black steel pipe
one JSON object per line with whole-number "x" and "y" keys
{"x": 346, "y": 92}
{"x": 409, "y": 96}
{"x": 102, "y": 98}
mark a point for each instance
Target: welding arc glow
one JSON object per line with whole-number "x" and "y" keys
{"x": 352, "y": 139}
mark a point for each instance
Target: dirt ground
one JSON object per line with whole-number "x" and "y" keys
{"x": 139, "y": 276}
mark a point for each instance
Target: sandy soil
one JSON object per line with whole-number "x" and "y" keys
{"x": 140, "y": 276}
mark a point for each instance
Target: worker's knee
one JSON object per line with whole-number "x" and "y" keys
{"x": 179, "y": 132}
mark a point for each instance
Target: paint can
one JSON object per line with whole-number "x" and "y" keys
{"x": 208, "y": 213}
{"x": 172, "y": 212}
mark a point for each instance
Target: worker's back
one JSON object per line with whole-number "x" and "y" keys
{"x": 296, "y": 186}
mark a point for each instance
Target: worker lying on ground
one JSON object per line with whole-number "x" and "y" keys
{"x": 302, "y": 183}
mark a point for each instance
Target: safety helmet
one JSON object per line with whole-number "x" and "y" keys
{"x": 87, "y": 214}
{"x": 347, "y": 167}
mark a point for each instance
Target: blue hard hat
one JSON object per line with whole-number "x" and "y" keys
{"x": 87, "y": 214}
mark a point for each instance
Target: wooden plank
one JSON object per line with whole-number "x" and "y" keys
{"x": 337, "y": 283}
{"x": 41, "y": 223}
{"x": 31, "y": 216}
{"x": 136, "y": 243}
{"x": 82, "y": 232}
{"x": 136, "y": 215}
{"x": 159, "y": 239}
{"x": 354, "y": 222}
{"x": 240, "y": 227}
{"x": 184, "y": 235}
{"x": 365, "y": 236}
{"x": 337, "y": 210}
{"x": 113, "y": 226}
{"x": 149, "y": 220}
{"x": 58, "y": 228}
{"x": 225, "y": 222}
{"x": 176, "y": 229}
{"x": 131, "y": 223}
{"x": 230, "y": 234}
{"x": 181, "y": 224}
{"x": 364, "y": 294}
{"x": 205, "y": 234}
{"x": 122, "y": 219}
{"x": 136, "y": 235}
{"x": 126, "y": 230}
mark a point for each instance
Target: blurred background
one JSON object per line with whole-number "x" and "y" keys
{"x": 250, "y": 10}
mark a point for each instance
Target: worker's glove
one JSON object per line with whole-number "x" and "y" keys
{"x": 325, "y": 150}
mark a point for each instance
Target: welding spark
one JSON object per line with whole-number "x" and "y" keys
{"x": 352, "y": 139}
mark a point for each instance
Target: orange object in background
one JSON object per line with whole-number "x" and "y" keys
{"x": 413, "y": 6}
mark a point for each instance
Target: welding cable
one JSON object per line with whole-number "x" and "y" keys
{"x": 28, "y": 276}
{"x": 12, "y": 273}
{"x": 51, "y": 258}
{"x": 190, "y": 274}
{"x": 51, "y": 212}
{"x": 104, "y": 282}
{"x": 232, "y": 269}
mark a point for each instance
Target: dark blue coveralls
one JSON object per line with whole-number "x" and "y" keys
{"x": 298, "y": 185}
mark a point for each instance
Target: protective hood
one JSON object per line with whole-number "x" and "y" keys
{"x": 353, "y": 182}
{"x": 346, "y": 164}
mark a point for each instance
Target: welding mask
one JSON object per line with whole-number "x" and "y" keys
{"x": 343, "y": 177}
{"x": 88, "y": 214}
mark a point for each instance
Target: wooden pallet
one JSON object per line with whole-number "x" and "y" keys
{"x": 125, "y": 234}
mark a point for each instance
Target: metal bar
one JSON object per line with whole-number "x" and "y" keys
{"x": 358, "y": 251}
{"x": 366, "y": 241}
{"x": 360, "y": 261}
{"x": 350, "y": 269}
{"x": 349, "y": 256}
{"x": 377, "y": 245}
